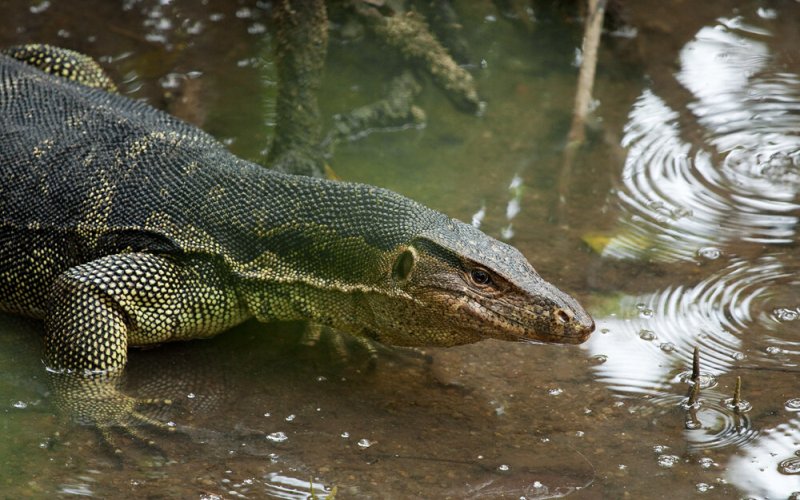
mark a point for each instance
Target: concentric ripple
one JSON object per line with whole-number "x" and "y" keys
{"x": 728, "y": 169}
{"x": 712, "y": 424}
{"x": 745, "y": 315}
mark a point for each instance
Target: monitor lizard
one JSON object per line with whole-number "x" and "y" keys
{"x": 121, "y": 226}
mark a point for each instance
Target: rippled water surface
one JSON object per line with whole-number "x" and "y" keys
{"x": 676, "y": 226}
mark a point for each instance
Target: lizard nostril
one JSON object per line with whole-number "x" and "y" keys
{"x": 563, "y": 316}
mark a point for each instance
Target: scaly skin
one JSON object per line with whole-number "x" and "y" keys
{"x": 121, "y": 225}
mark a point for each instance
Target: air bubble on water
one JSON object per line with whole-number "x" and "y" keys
{"x": 792, "y": 404}
{"x": 345, "y": 435}
{"x": 289, "y": 418}
{"x": 660, "y": 448}
{"x": 773, "y": 350}
{"x": 786, "y": 314}
{"x": 706, "y": 380}
{"x": 789, "y": 466}
{"x": 598, "y": 359}
{"x": 503, "y": 468}
{"x": 667, "y": 347}
{"x": 706, "y": 462}
{"x": 738, "y": 356}
{"x": 647, "y": 335}
{"x": 555, "y": 392}
{"x": 668, "y": 461}
{"x": 703, "y": 487}
{"x": 19, "y": 405}
{"x": 322, "y": 378}
{"x": 191, "y": 395}
{"x": 364, "y": 443}
{"x": 604, "y": 330}
{"x": 277, "y": 437}
{"x": 646, "y": 313}
{"x": 709, "y": 253}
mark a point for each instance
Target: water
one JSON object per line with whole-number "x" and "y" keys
{"x": 686, "y": 194}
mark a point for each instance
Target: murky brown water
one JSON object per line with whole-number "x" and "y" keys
{"x": 687, "y": 191}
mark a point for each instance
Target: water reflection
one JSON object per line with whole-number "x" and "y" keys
{"x": 727, "y": 170}
{"x": 770, "y": 466}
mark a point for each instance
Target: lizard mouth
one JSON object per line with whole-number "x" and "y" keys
{"x": 498, "y": 324}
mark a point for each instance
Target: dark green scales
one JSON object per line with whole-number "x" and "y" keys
{"x": 121, "y": 225}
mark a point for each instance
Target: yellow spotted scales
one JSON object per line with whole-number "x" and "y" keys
{"x": 121, "y": 225}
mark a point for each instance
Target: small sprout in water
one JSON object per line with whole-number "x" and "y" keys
{"x": 736, "y": 403}
{"x": 668, "y": 461}
{"x": 696, "y": 365}
{"x": 277, "y": 437}
{"x": 364, "y": 443}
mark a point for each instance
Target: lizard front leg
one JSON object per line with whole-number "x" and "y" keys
{"x": 96, "y": 310}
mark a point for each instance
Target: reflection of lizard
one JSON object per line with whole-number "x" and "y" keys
{"x": 121, "y": 225}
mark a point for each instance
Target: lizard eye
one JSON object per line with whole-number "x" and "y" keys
{"x": 403, "y": 265}
{"x": 480, "y": 276}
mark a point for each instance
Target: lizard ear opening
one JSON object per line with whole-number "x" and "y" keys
{"x": 404, "y": 264}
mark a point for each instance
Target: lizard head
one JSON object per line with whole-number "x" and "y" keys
{"x": 456, "y": 285}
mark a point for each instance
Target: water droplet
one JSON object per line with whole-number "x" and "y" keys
{"x": 667, "y": 347}
{"x": 555, "y": 392}
{"x": 668, "y": 461}
{"x": 646, "y": 313}
{"x": 792, "y": 404}
{"x": 277, "y": 437}
{"x": 647, "y": 335}
{"x": 710, "y": 253}
{"x": 738, "y": 356}
{"x": 364, "y": 443}
{"x": 503, "y": 468}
